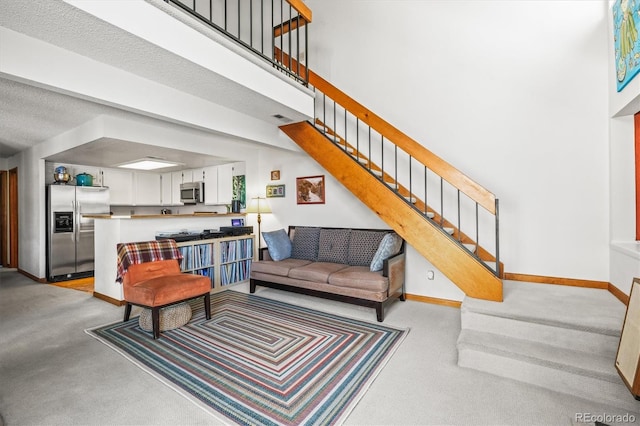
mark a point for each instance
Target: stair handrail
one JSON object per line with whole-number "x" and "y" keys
{"x": 445, "y": 170}
{"x": 449, "y": 173}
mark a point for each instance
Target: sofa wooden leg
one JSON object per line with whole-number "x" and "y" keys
{"x": 207, "y": 305}
{"x": 155, "y": 321}
{"x": 380, "y": 312}
{"x": 127, "y": 312}
{"x": 252, "y": 286}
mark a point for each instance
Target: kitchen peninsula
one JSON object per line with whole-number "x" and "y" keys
{"x": 113, "y": 229}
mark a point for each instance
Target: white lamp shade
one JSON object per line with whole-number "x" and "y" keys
{"x": 258, "y": 205}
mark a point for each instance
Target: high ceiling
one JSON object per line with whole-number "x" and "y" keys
{"x": 30, "y": 115}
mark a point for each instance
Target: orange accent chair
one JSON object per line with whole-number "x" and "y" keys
{"x": 161, "y": 283}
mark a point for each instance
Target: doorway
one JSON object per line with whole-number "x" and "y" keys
{"x": 9, "y": 218}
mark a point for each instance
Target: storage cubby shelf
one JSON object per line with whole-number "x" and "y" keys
{"x": 225, "y": 261}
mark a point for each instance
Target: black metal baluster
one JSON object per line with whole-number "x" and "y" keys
{"x": 441, "y": 203}
{"x": 425, "y": 191}
{"x": 498, "y": 271}
{"x": 477, "y": 230}
{"x": 410, "y": 182}
{"x": 281, "y": 35}
{"x": 459, "y": 215}
{"x": 298, "y": 44}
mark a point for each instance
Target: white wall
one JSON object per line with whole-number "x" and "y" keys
{"x": 514, "y": 94}
{"x": 341, "y": 209}
{"x": 624, "y": 254}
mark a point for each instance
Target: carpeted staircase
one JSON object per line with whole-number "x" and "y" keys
{"x": 558, "y": 337}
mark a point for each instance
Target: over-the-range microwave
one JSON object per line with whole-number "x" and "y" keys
{"x": 192, "y": 192}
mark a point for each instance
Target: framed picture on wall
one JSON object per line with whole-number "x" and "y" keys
{"x": 274, "y": 191}
{"x": 275, "y": 174}
{"x": 310, "y": 190}
{"x": 239, "y": 191}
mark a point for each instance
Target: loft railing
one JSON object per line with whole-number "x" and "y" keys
{"x": 261, "y": 26}
{"x": 463, "y": 210}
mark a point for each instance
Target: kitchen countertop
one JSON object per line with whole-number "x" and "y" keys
{"x": 159, "y": 216}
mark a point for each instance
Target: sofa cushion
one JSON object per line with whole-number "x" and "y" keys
{"x": 316, "y": 271}
{"x": 281, "y": 268}
{"x": 362, "y": 246}
{"x": 334, "y": 245}
{"x": 389, "y": 246}
{"x": 278, "y": 244}
{"x": 305, "y": 243}
{"x": 359, "y": 277}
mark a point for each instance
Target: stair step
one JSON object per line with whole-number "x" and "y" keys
{"x": 412, "y": 200}
{"x": 431, "y": 215}
{"x": 587, "y": 309}
{"x": 448, "y": 230}
{"x": 392, "y": 185}
{"x": 561, "y": 337}
{"x": 562, "y": 370}
{"x": 577, "y": 362}
{"x": 471, "y": 247}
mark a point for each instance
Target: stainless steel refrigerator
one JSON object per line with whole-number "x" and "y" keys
{"x": 70, "y": 235}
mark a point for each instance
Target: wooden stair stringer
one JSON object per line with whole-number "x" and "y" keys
{"x": 468, "y": 273}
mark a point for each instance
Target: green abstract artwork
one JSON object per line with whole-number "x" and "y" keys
{"x": 239, "y": 190}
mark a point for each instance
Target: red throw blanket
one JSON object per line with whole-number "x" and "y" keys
{"x": 147, "y": 251}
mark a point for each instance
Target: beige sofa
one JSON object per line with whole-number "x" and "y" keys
{"x": 360, "y": 266}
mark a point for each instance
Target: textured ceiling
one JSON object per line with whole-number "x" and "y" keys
{"x": 29, "y": 115}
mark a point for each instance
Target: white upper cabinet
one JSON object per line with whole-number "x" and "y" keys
{"x": 197, "y": 175}
{"x": 225, "y": 183}
{"x": 210, "y": 185}
{"x": 218, "y": 184}
{"x": 121, "y": 186}
{"x": 148, "y": 188}
{"x": 176, "y": 180}
{"x": 166, "y": 195}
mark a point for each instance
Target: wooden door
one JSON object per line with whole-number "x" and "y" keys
{"x": 4, "y": 215}
{"x": 13, "y": 218}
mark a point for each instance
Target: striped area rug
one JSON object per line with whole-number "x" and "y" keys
{"x": 262, "y": 362}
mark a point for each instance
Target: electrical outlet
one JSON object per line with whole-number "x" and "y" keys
{"x": 430, "y": 274}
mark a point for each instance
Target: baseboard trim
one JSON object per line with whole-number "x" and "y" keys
{"x": 619, "y": 294}
{"x": 434, "y": 300}
{"x": 539, "y": 279}
{"x": 108, "y": 299}
{"x": 33, "y": 277}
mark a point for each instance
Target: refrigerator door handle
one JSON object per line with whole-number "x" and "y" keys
{"x": 76, "y": 228}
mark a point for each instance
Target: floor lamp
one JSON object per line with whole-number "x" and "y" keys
{"x": 259, "y": 205}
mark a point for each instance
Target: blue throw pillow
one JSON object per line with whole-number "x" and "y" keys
{"x": 278, "y": 244}
{"x": 389, "y": 246}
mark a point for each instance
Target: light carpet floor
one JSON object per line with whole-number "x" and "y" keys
{"x": 53, "y": 373}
